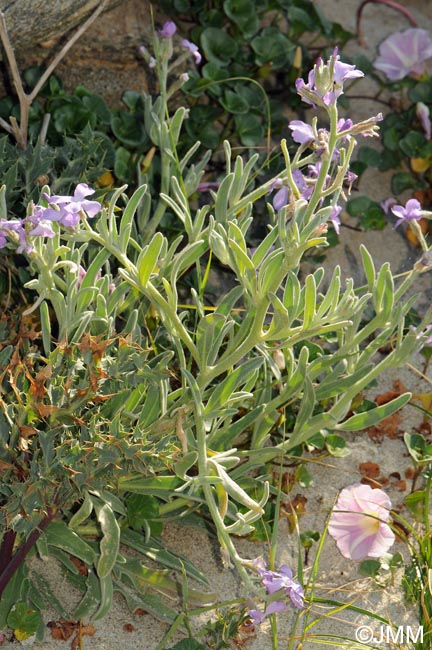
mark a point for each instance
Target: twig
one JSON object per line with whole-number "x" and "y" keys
{"x": 25, "y": 100}
{"x": 389, "y": 3}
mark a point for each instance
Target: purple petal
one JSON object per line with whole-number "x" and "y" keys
{"x": 169, "y": 29}
{"x": 280, "y": 199}
{"x": 301, "y": 132}
{"x": 81, "y": 191}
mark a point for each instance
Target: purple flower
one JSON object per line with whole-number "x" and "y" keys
{"x": 325, "y": 81}
{"x": 404, "y": 53}
{"x": 168, "y": 30}
{"x": 387, "y": 204}
{"x": 15, "y": 229}
{"x": 429, "y": 339}
{"x": 422, "y": 265}
{"x": 301, "y": 132}
{"x": 205, "y": 186}
{"x": 43, "y": 228}
{"x": 193, "y": 49}
{"x": 334, "y": 218}
{"x": 68, "y": 209}
{"x": 358, "y": 522}
{"x": 272, "y": 608}
{"x": 411, "y": 212}
{"x": 423, "y": 114}
{"x": 283, "y": 580}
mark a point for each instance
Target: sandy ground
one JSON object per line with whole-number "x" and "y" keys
{"x": 337, "y": 578}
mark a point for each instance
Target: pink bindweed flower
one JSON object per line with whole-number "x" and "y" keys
{"x": 411, "y": 212}
{"x": 423, "y": 115}
{"x": 404, "y": 53}
{"x": 358, "y": 522}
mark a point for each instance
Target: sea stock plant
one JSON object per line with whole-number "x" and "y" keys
{"x": 144, "y": 401}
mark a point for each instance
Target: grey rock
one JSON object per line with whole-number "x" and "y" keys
{"x": 31, "y": 22}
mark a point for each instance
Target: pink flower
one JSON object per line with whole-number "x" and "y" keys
{"x": 358, "y": 522}
{"x": 423, "y": 114}
{"x": 404, "y": 53}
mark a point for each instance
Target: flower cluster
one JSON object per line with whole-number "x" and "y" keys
{"x": 168, "y": 30}
{"x": 358, "y": 522}
{"x": 325, "y": 81}
{"x": 283, "y": 585}
{"x": 67, "y": 210}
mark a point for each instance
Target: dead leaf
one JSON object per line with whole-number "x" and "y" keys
{"x": 369, "y": 469}
{"x": 384, "y": 398}
{"x": 62, "y": 630}
{"x": 82, "y": 569}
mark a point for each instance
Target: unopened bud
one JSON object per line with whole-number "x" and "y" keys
{"x": 279, "y": 359}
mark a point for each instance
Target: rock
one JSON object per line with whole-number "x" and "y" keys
{"x": 105, "y": 59}
{"x": 40, "y": 20}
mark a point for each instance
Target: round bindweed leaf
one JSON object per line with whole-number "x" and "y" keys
{"x": 422, "y": 92}
{"x": 234, "y": 102}
{"x": 371, "y": 157}
{"x": 250, "y": 129}
{"x": 358, "y": 206}
{"x": 219, "y": 47}
{"x": 412, "y": 144}
{"x": 243, "y": 14}
{"x": 70, "y": 116}
{"x": 401, "y": 182}
{"x": 97, "y": 105}
{"x": 271, "y": 46}
{"x": 133, "y": 100}
{"x": 128, "y": 129}
{"x": 123, "y": 164}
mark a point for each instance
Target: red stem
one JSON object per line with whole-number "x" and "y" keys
{"x": 9, "y": 564}
{"x": 389, "y": 3}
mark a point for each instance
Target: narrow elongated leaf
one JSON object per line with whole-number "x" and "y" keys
{"x": 148, "y": 258}
{"x": 106, "y": 597}
{"x": 372, "y": 417}
{"x": 110, "y": 542}
{"x": 220, "y": 396}
{"x": 128, "y": 215}
{"x": 83, "y": 512}
{"x": 157, "y": 553}
{"x": 46, "y": 327}
{"x": 309, "y": 300}
{"x": 58, "y": 534}
{"x": 91, "y": 599}
{"x": 159, "y": 486}
{"x": 151, "y": 603}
